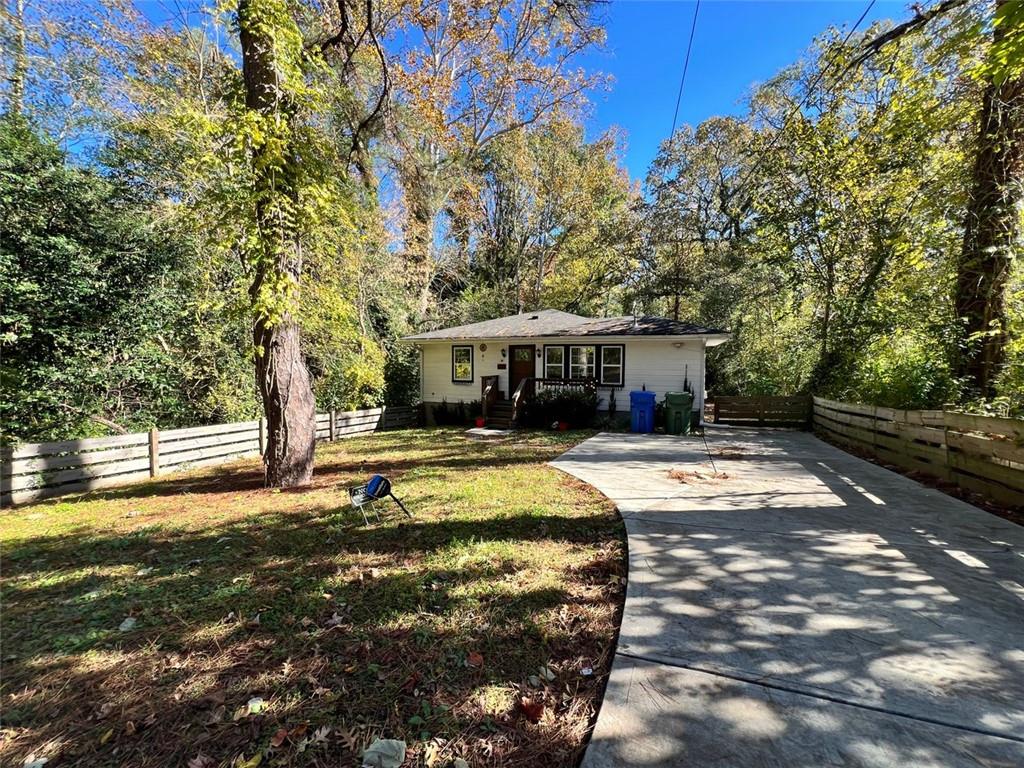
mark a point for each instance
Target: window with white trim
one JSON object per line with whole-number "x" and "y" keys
{"x": 554, "y": 362}
{"x": 611, "y": 365}
{"x": 581, "y": 362}
{"x": 462, "y": 364}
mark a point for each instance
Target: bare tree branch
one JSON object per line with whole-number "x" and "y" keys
{"x": 918, "y": 20}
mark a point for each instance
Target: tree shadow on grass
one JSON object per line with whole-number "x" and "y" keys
{"x": 332, "y": 623}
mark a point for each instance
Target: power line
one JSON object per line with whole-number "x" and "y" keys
{"x": 810, "y": 90}
{"x": 686, "y": 66}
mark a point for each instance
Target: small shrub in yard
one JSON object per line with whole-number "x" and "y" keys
{"x": 457, "y": 415}
{"x": 578, "y": 407}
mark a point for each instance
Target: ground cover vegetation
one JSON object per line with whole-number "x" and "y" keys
{"x": 205, "y": 620}
{"x": 192, "y": 204}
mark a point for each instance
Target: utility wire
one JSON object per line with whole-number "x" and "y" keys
{"x": 810, "y": 90}
{"x": 686, "y": 66}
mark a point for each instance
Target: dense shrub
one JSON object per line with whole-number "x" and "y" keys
{"x": 456, "y": 415}
{"x": 575, "y": 406}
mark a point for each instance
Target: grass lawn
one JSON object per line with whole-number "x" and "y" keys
{"x": 273, "y": 628}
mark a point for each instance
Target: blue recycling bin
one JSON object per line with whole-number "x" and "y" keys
{"x": 641, "y": 411}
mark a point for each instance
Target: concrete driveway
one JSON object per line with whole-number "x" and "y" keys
{"x": 809, "y": 609}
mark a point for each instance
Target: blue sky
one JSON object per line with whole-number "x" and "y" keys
{"x": 737, "y": 44}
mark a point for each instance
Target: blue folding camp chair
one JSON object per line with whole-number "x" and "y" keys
{"x": 364, "y": 496}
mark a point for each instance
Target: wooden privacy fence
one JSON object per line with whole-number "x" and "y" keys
{"x": 30, "y": 471}
{"x": 793, "y": 411}
{"x": 984, "y": 454}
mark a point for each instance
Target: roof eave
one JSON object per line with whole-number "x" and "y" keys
{"x": 712, "y": 339}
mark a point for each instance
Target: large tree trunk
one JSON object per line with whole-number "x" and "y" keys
{"x": 281, "y": 373}
{"x": 991, "y": 231}
{"x": 19, "y": 67}
{"x": 284, "y": 384}
{"x": 419, "y": 248}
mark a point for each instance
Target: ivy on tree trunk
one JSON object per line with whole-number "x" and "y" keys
{"x": 991, "y": 228}
{"x": 281, "y": 374}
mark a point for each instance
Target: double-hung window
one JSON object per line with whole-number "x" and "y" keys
{"x": 581, "y": 362}
{"x": 462, "y": 364}
{"x": 611, "y": 365}
{"x": 554, "y": 362}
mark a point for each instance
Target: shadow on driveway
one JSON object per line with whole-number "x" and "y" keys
{"x": 802, "y": 607}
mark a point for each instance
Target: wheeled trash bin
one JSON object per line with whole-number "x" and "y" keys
{"x": 678, "y": 412}
{"x": 641, "y": 411}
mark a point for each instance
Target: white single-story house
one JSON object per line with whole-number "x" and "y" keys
{"x": 619, "y": 354}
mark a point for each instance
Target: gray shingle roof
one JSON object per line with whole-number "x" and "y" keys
{"x": 552, "y": 322}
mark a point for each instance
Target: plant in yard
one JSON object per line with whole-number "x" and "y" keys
{"x": 577, "y": 407}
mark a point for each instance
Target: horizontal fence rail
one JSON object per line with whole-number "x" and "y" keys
{"x": 761, "y": 411}
{"x": 982, "y": 454}
{"x": 31, "y": 471}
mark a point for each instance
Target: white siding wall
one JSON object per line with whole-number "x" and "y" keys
{"x": 662, "y": 366}
{"x": 437, "y": 384}
{"x": 658, "y": 363}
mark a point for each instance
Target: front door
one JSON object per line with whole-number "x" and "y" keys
{"x": 521, "y": 367}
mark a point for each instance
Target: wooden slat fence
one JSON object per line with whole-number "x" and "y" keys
{"x": 983, "y": 454}
{"x": 31, "y": 471}
{"x": 757, "y": 411}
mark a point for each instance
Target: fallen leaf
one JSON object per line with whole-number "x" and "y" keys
{"x": 298, "y": 731}
{"x": 320, "y": 734}
{"x": 475, "y": 659}
{"x": 411, "y": 682}
{"x": 252, "y": 762}
{"x": 128, "y": 624}
{"x": 458, "y": 762}
{"x": 279, "y": 738}
{"x": 201, "y": 761}
{"x": 106, "y": 737}
{"x": 531, "y": 710}
{"x": 384, "y": 753}
{"x": 547, "y": 674}
{"x": 432, "y": 754}
{"x": 256, "y": 705}
{"x": 351, "y": 742}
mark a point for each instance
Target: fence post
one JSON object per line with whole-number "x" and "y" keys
{"x": 334, "y": 418}
{"x": 154, "y": 452}
{"x": 263, "y": 435}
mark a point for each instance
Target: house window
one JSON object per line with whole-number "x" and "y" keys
{"x": 611, "y": 366}
{"x": 554, "y": 362}
{"x": 462, "y": 364}
{"x": 581, "y": 362}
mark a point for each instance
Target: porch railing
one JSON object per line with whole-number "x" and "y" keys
{"x": 488, "y": 393}
{"x": 531, "y": 386}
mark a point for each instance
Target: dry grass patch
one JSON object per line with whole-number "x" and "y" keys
{"x": 273, "y": 625}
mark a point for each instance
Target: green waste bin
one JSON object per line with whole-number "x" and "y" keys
{"x": 678, "y": 407}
